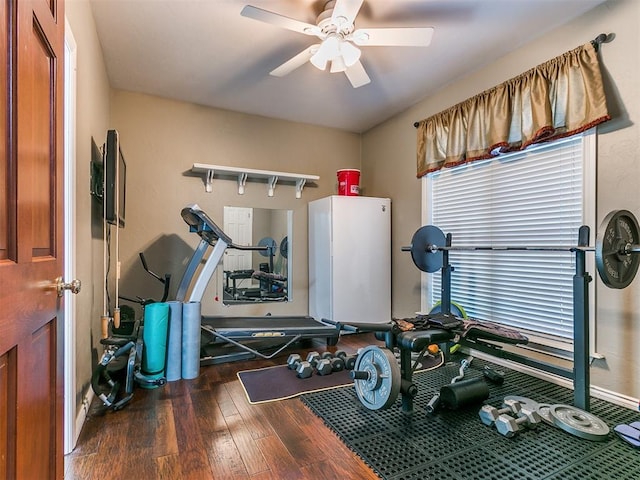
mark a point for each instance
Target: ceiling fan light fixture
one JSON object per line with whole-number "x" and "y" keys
{"x": 350, "y": 53}
{"x": 328, "y": 51}
{"x": 338, "y": 65}
{"x": 317, "y": 62}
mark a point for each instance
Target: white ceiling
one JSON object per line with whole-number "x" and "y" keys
{"x": 205, "y": 52}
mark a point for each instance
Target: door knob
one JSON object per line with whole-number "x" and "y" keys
{"x": 74, "y": 286}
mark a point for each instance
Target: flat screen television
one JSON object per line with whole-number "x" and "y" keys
{"x": 115, "y": 180}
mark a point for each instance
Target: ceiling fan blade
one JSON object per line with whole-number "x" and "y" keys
{"x": 398, "y": 37}
{"x": 357, "y": 75}
{"x": 297, "y": 61}
{"x": 345, "y": 11}
{"x": 256, "y": 13}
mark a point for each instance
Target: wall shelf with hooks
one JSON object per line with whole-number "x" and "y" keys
{"x": 242, "y": 174}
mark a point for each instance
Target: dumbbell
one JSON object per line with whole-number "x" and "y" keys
{"x": 349, "y": 360}
{"x": 304, "y": 370}
{"x": 489, "y": 414}
{"x": 293, "y": 361}
{"x": 323, "y": 367}
{"x": 312, "y": 358}
{"x": 337, "y": 363}
{"x": 509, "y": 426}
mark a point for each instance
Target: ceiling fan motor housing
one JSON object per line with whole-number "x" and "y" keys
{"x": 340, "y": 26}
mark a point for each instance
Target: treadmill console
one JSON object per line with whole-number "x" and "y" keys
{"x": 200, "y": 223}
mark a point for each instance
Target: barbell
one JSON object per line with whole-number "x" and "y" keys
{"x": 616, "y": 248}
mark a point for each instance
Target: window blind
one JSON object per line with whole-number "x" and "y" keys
{"x": 534, "y": 198}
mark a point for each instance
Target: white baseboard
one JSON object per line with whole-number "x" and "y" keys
{"x": 82, "y": 415}
{"x": 595, "y": 391}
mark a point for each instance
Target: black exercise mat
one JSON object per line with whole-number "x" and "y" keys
{"x": 277, "y": 383}
{"x": 456, "y": 445}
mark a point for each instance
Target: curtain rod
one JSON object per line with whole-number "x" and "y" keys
{"x": 596, "y": 42}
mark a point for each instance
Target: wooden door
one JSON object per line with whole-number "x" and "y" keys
{"x": 31, "y": 243}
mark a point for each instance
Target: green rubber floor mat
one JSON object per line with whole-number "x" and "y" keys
{"x": 456, "y": 445}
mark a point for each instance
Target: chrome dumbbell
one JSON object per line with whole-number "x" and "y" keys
{"x": 489, "y": 414}
{"x": 509, "y": 426}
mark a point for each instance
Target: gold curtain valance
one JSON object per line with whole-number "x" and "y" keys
{"x": 561, "y": 97}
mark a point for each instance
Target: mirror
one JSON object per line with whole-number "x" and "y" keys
{"x": 254, "y": 276}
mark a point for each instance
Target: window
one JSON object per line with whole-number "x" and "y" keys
{"x": 536, "y": 197}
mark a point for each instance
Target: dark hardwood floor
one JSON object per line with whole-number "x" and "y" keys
{"x": 206, "y": 429}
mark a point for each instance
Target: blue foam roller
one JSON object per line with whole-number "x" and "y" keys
{"x": 190, "y": 340}
{"x": 174, "y": 348}
{"x": 154, "y": 336}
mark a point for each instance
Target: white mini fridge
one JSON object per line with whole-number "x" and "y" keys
{"x": 350, "y": 259}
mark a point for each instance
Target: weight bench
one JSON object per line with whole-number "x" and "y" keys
{"x": 440, "y": 329}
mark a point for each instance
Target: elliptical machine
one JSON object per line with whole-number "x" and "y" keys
{"x": 119, "y": 369}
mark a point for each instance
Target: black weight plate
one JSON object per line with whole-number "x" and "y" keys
{"x": 616, "y": 268}
{"x": 425, "y": 259}
{"x": 284, "y": 247}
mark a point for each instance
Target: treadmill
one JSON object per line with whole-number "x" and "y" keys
{"x": 237, "y": 338}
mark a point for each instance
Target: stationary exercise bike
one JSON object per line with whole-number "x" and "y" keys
{"x": 120, "y": 367}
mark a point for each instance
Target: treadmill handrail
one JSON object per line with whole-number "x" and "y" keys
{"x": 200, "y": 223}
{"x": 250, "y": 247}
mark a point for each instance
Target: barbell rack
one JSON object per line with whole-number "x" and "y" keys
{"x": 617, "y": 260}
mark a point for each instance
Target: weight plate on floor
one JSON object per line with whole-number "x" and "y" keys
{"x": 545, "y": 414}
{"x": 381, "y": 386}
{"x": 525, "y": 402}
{"x": 617, "y": 267}
{"x": 425, "y": 259}
{"x": 579, "y": 423}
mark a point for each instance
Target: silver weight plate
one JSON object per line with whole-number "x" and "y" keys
{"x": 545, "y": 414}
{"x": 425, "y": 259}
{"x": 579, "y": 423}
{"x": 381, "y": 387}
{"x": 525, "y": 402}
{"x": 618, "y": 230}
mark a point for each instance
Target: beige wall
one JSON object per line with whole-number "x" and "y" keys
{"x": 388, "y": 159}
{"x": 92, "y": 119}
{"x": 161, "y": 140}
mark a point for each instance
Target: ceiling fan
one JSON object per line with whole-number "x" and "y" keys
{"x": 335, "y": 27}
